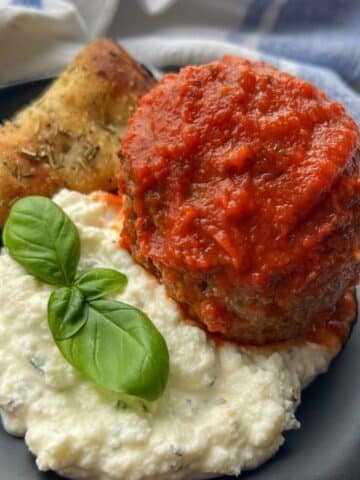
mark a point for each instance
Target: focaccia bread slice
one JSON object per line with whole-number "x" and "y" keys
{"x": 70, "y": 136}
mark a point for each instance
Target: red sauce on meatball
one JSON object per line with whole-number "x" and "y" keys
{"x": 229, "y": 166}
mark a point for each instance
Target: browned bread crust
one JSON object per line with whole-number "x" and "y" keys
{"x": 70, "y": 136}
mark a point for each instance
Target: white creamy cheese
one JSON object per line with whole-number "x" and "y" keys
{"x": 224, "y": 409}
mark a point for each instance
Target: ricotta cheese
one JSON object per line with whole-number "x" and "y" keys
{"x": 224, "y": 410}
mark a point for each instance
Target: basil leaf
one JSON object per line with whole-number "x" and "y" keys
{"x": 120, "y": 349}
{"x": 99, "y": 282}
{"x": 67, "y": 312}
{"x": 43, "y": 239}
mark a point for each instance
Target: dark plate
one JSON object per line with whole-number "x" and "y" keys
{"x": 327, "y": 447}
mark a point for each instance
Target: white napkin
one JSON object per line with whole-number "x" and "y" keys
{"x": 153, "y": 7}
{"x": 39, "y": 37}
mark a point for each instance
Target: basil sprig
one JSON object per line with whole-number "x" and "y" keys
{"x": 113, "y": 344}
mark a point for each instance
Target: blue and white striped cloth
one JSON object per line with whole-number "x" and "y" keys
{"x": 315, "y": 39}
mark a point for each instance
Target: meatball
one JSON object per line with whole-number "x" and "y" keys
{"x": 242, "y": 187}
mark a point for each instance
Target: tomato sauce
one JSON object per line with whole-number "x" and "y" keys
{"x": 230, "y": 166}
{"x": 238, "y": 156}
